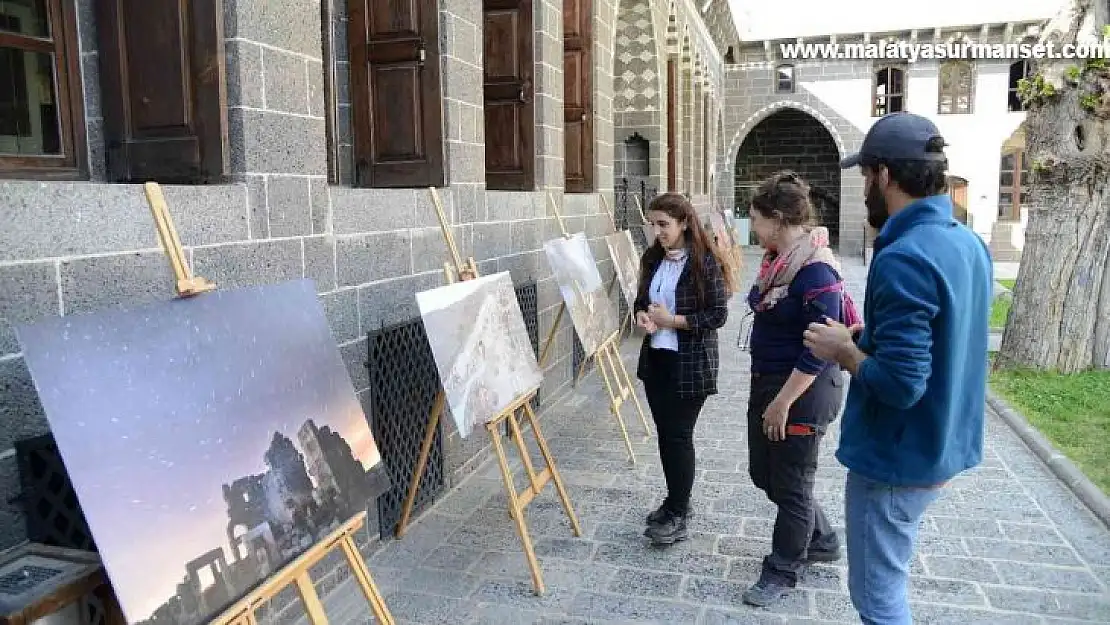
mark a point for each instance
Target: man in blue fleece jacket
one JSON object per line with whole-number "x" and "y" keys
{"x": 915, "y": 408}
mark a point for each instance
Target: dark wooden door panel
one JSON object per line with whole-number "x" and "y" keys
{"x": 163, "y": 90}
{"x": 509, "y": 103}
{"x": 578, "y": 95}
{"x": 672, "y": 134}
{"x": 397, "y": 110}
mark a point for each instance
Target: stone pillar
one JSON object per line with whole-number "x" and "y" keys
{"x": 276, "y": 113}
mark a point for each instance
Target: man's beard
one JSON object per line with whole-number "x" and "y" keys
{"x": 876, "y": 207}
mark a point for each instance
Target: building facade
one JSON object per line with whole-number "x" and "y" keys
{"x": 809, "y": 113}
{"x": 298, "y": 138}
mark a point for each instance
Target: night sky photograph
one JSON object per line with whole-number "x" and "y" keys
{"x": 155, "y": 408}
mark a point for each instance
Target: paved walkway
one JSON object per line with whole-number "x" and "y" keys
{"x": 1007, "y": 543}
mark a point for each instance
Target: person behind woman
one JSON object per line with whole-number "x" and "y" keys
{"x": 682, "y": 301}
{"x": 794, "y": 395}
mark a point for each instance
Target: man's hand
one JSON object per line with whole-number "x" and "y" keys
{"x": 830, "y": 340}
{"x": 774, "y": 420}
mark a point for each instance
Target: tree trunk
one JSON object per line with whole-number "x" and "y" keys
{"x": 1060, "y": 317}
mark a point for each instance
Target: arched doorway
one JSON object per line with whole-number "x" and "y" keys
{"x": 793, "y": 139}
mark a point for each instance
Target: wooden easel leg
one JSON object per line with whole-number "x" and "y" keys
{"x": 515, "y": 509}
{"x": 551, "y": 334}
{"x": 614, "y": 399}
{"x": 623, "y": 372}
{"x": 525, "y": 457}
{"x": 582, "y": 368}
{"x": 312, "y": 606}
{"x": 421, "y": 462}
{"x": 362, "y": 574}
{"x": 555, "y": 477}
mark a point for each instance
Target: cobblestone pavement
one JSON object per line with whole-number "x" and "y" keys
{"x": 1007, "y": 543}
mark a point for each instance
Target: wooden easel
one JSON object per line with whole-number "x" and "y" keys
{"x": 242, "y": 612}
{"x": 186, "y": 283}
{"x": 518, "y": 501}
{"x": 618, "y": 384}
{"x": 296, "y": 572}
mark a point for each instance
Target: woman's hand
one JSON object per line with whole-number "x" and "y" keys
{"x": 660, "y": 316}
{"x": 774, "y": 420}
{"x": 645, "y": 322}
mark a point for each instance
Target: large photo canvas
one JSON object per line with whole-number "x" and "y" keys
{"x": 210, "y": 440}
{"x": 481, "y": 347}
{"x": 591, "y": 311}
{"x": 626, "y": 262}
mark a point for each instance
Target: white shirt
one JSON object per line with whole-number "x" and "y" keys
{"x": 661, "y": 291}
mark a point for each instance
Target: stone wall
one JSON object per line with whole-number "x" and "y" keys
{"x": 791, "y": 139}
{"x": 82, "y": 246}
{"x": 750, "y": 98}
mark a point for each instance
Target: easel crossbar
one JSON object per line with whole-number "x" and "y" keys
{"x": 296, "y": 572}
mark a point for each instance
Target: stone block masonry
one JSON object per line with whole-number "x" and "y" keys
{"x": 751, "y": 99}
{"x": 290, "y": 209}
{"x": 791, "y": 139}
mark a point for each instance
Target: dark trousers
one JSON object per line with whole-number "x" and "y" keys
{"x": 675, "y": 418}
{"x": 786, "y": 470}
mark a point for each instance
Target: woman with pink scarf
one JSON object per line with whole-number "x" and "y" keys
{"x": 794, "y": 395}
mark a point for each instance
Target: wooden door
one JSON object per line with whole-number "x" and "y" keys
{"x": 672, "y": 127}
{"x": 509, "y": 104}
{"x": 578, "y": 112}
{"x": 957, "y": 190}
{"x": 163, "y": 93}
{"x": 397, "y": 109}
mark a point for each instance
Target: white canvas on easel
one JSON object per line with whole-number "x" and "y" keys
{"x": 583, "y": 290}
{"x": 626, "y": 263}
{"x": 481, "y": 347}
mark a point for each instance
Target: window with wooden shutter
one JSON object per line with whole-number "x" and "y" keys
{"x": 42, "y": 120}
{"x": 672, "y": 128}
{"x": 396, "y": 104}
{"x": 164, "y": 99}
{"x": 509, "y": 107}
{"x": 578, "y": 121}
{"x": 956, "y": 88}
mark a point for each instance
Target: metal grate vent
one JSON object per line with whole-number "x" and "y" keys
{"x": 403, "y": 386}
{"x": 529, "y": 307}
{"x": 54, "y": 516}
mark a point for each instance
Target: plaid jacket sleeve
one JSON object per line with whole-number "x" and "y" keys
{"x": 714, "y": 313}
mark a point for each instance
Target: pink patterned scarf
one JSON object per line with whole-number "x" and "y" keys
{"x": 778, "y": 270}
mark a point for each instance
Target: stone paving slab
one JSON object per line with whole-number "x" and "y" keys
{"x": 1007, "y": 543}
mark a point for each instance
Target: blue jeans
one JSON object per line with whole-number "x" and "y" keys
{"x": 881, "y": 531}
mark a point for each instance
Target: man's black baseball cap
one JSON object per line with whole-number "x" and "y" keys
{"x": 898, "y": 136}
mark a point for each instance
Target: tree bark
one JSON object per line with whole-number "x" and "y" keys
{"x": 1060, "y": 317}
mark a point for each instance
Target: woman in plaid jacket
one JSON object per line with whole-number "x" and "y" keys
{"x": 683, "y": 301}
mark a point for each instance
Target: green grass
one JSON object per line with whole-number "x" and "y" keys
{"x": 1072, "y": 411}
{"x": 1000, "y": 308}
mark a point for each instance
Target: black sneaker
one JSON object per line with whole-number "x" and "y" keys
{"x": 765, "y": 592}
{"x": 660, "y": 515}
{"x": 668, "y": 531}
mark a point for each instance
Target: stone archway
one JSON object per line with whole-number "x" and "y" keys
{"x": 790, "y": 138}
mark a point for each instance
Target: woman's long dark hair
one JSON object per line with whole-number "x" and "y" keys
{"x": 697, "y": 245}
